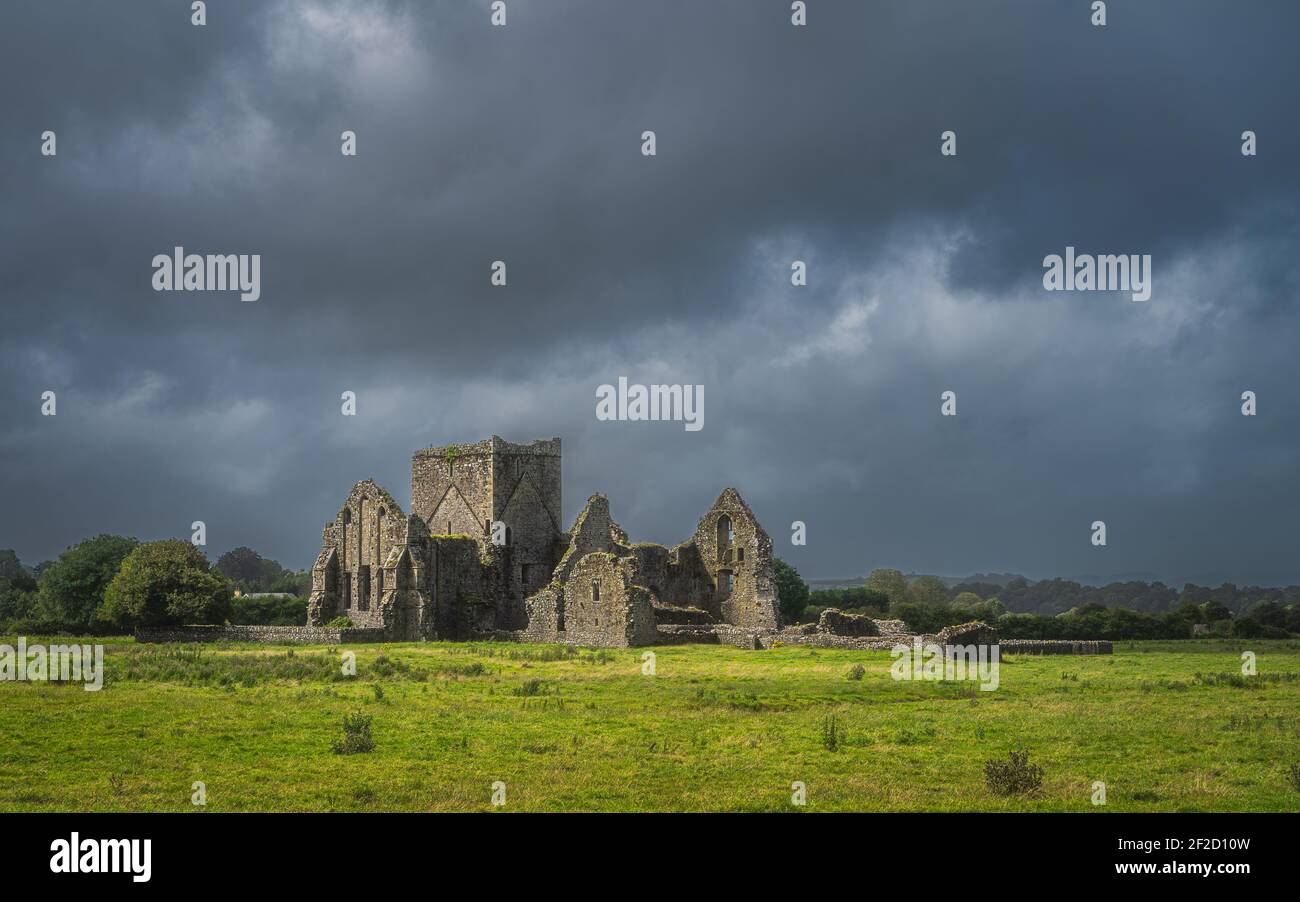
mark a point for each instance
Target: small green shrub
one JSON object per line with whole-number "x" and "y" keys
{"x": 1015, "y": 776}
{"x": 340, "y": 623}
{"x": 856, "y": 672}
{"x": 356, "y": 735}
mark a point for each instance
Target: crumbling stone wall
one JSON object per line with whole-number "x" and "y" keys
{"x": 545, "y": 615}
{"x": 463, "y": 602}
{"x": 838, "y": 623}
{"x": 348, "y": 576}
{"x": 602, "y": 607}
{"x": 1056, "y": 647}
{"x": 451, "y": 489}
{"x": 737, "y": 554}
{"x": 976, "y": 632}
{"x": 676, "y": 577}
{"x": 592, "y": 531}
{"x": 407, "y": 607}
{"x": 526, "y": 497}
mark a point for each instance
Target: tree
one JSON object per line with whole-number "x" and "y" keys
{"x": 891, "y": 582}
{"x": 967, "y": 601}
{"x": 242, "y": 564}
{"x": 166, "y": 583}
{"x": 1293, "y": 618}
{"x": 16, "y": 603}
{"x": 791, "y": 591}
{"x": 1215, "y": 610}
{"x": 72, "y": 588}
{"x": 927, "y": 590}
{"x": 254, "y": 573}
{"x": 1269, "y": 614}
{"x": 12, "y": 570}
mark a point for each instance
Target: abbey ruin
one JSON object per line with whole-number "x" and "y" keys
{"x": 482, "y": 554}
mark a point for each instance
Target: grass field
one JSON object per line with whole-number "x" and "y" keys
{"x": 1167, "y": 726}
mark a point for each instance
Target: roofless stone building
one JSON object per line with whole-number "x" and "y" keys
{"x": 482, "y": 554}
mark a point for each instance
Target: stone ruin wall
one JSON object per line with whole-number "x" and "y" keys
{"x": 602, "y": 607}
{"x": 349, "y": 577}
{"x": 526, "y": 495}
{"x": 742, "y": 553}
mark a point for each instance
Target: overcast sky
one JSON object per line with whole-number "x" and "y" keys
{"x": 774, "y": 143}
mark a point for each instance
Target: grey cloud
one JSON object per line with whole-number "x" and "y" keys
{"x": 521, "y": 144}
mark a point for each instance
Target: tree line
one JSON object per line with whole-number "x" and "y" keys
{"x": 1053, "y": 609}
{"x": 113, "y": 583}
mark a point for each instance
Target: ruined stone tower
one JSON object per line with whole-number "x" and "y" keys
{"x": 464, "y": 489}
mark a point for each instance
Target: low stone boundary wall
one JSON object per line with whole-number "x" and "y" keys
{"x": 1056, "y": 647}
{"x": 315, "y": 635}
{"x": 710, "y": 634}
{"x": 817, "y": 639}
{"x": 802, "y": 636}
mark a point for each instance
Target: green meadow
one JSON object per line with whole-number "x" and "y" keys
{"x": 1167, "y": 726}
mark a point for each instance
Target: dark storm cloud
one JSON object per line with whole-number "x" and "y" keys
{"x": 775, "y": 143}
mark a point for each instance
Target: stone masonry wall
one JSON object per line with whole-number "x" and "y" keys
{"x": 735, "y": 550}
{"x": 601, "y": 606}
{"x": 451, "y": 489}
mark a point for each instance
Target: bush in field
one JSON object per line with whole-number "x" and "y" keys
{"x": 163, "y": 584}
{"x": 1015, "y": 776}
{"x": 356, "y": 735}
{"x": 340, "y": 623}
{"x": 856, "y": 672}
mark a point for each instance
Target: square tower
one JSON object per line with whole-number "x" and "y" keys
{"x": 464, "y": 489}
